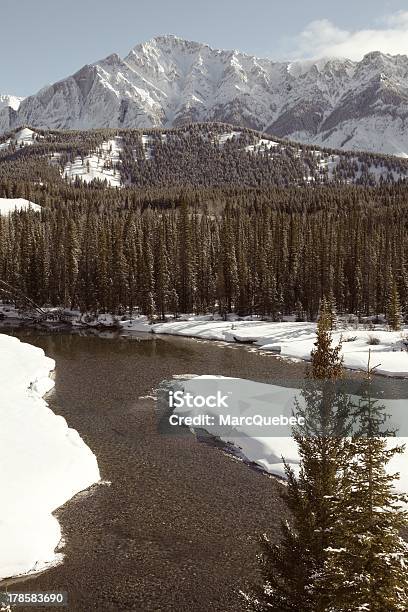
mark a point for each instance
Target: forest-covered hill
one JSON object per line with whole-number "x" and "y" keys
{"x": 198, "y": 155}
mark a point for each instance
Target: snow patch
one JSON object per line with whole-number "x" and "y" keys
{"x": 22, "y": 138}
{"x": 261, "y": 145}
{"x": 101, "y": 165}
{"x": 43, "y": 463}
{"x": 265, "y": 400}
{"x": 223, "y": 138}
{"x": 12, "y": 101}
{"x": 8, "y": 205}
{"x": 146, "y": 142}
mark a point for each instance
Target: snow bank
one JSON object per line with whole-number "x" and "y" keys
{"x": 43, "y": 462}
{"x": 223, "y": 138}
{"x": 246, "y": 397}
{"x": 249, "y": 398}
{"x": 8, "y": 205}
{"x": 296, "y": 340}
{"x": 137, "y": 324}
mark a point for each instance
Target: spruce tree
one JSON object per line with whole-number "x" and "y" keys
{"x": 186, "y": 276}
{"x": 366, "y": 568}
{"x": 394, "y": 311}
{"x": 327, "y": 363}
{"x": 289, "y": 568}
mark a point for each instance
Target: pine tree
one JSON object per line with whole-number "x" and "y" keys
{"x": 290, "y": 567}
{"x": 186, "y": 284}
{"x": 71, "y": 272}
{"x": 327, "y": 363}
{"x": 162, "y": 273}
{"x": 331, "y": 304}
{"x": 300, "y": 313}
{"x": 229, "y": 260}
{"x": 366, "y": 568}
{"x": 146, "y": 257}
{"x": 394, "y": 311}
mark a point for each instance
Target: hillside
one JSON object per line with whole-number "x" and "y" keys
{"x": 197, "y": 155}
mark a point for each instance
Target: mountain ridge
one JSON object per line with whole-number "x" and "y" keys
{"x": 169, "y": 81}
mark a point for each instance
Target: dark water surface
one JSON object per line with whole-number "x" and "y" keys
{"x": 177, "y": 528}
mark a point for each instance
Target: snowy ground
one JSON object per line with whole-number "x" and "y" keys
{"x": 289, "y": 339}
{"x": 22, "y": 138}
{"x": 147, "y": 146}
{"x": 223, "y": 138}
{"x": 99, "y": 165}
{"x": 267, "y": 446}
{"x": 43, "y": 463}
{"x": 262, "y": 145}
{"x": 8, "y": 205}
{"x": 138, "y": 323}
{"x": 296, "y": 340}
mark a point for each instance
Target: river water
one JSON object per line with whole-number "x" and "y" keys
{"x": 176, "y": 525}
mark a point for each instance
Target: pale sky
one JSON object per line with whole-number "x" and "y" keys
{"x": 42, "y": 41}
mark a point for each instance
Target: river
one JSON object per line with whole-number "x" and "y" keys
{"x": 175, "y": 526}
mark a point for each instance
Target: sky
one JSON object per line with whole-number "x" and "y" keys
{"x": 43, "y": 41}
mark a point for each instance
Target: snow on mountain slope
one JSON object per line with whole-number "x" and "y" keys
{"x": 8, "y": 111}
{"x": 21, "y": 138}
{"x": 100, "y": 165}
{"x": 169, "y": 81}
{"x": 169, "y": 156}
{"x": 8, "y": 205}
{"x": 11, "y": 101}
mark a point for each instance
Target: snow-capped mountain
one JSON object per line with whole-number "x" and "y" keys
{"x": 10, "y": 101}
{"x": 169, "y": 81}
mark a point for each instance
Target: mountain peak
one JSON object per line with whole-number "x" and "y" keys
{"x": 377, "y": 57}
{"x": 168, "y": 42}
{"x": 111, "y": 60}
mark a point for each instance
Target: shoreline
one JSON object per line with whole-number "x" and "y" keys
{"x": 152, "y": 542}
{"x": 263, "y": 336}
{"x": 166, "y": 530}
{"x": 44, "y": 462}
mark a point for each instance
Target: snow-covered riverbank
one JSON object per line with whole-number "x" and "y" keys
{"x": 296, "y": 340}
{"x": 43, "y": 463}
{"x": 289, "y": 339}
{"x": 268, "y": 445}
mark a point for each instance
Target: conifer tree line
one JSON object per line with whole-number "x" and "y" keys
{"x": 342, "y": 550}
{"x": 212, "y": 154}
{"x": 183, "y": 259}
